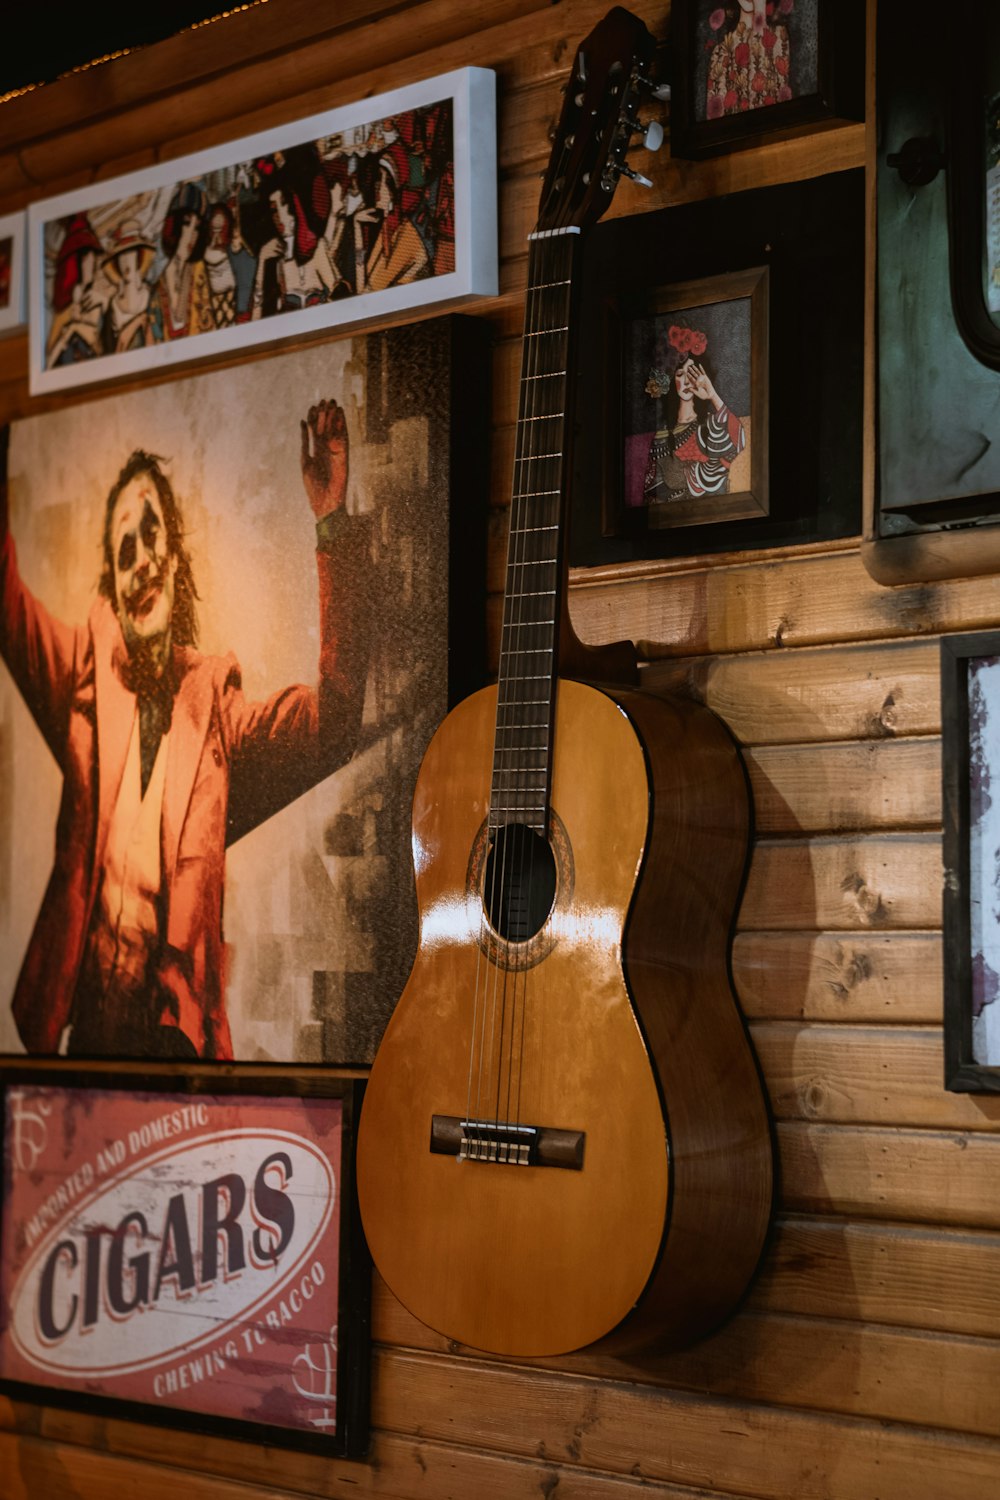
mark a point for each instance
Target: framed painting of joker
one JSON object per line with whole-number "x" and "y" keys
{"x": 224, "y": 629}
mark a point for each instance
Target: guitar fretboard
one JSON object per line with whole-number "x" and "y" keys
{"x": 529, "y": 636}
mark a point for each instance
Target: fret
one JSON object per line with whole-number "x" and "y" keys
{"x": 551, "y": 416}
{"x": 530, "y": 530}
{"x": 541, "y": 333}
{"x": 530, "y": 458}
{"x": 544, "y": 285}
{"x": 530, "y": 624}
{"x": 546, "y": 375}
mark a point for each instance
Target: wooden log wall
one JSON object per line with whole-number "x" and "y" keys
{"x": 865, "y": 1364}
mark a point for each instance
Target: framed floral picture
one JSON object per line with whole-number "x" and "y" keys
{"x": 748, "y": 69}
{"x": 695, "y": 402}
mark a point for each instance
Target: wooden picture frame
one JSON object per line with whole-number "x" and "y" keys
{"x": 13, "y": 298}
{"x": 695, "y": 410}
{"x": 970, "y": 712}
{"x": 746, "y": 71}
{"x": 186, "y": 1251}
{"x": 275, "y": 235}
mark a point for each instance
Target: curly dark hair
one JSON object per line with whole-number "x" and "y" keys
{"x": 185, "y": 614}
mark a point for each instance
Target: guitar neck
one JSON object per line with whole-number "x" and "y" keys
{"x": 529, "y": 640}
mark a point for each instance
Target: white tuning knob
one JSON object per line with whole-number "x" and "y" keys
{"x": 652, "y": 136}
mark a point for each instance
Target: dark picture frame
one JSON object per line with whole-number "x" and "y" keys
{"x": 707, "y": 339}
{"x": 804, "y": 58}
{"x": 810, "y": 237}
{"x": 970, "y": 713}
{"x": 117, "y": 1299}
{"x": 932, "y": 506}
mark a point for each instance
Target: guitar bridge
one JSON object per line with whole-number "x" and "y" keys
{"x": 507, "y": 1144}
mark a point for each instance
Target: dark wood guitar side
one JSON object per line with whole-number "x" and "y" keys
{"x": 564, "y": 1138}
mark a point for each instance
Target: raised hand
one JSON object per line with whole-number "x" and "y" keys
{"x": 702, "y": 385}
{"x": 325, "y": 458}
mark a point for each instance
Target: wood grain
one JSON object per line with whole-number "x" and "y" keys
{"x": 885, "y": 977}
{"x": 844, "y": 884}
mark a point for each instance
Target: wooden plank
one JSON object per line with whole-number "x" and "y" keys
{"x": 821, "y": 976}
{"x": 920, "y": 1176}
{"x": 865, "y": 1075}
{"x": 818, "y": 1364}
{"x": 850, "y": 884}
{"x": 328, "y": 69}
{"x": 228, "y": 40}
{"x": 814, "y": 693}
{"x": 397, "y": 1468}
{"x": 871, "y": 1372}
{"x": 940, "y": 1280}
{"x": 829, "y": 788}
{"x": 736, "y": 605}
{"x": 935, "y": 1279}
{"x": 773, "y": 1453}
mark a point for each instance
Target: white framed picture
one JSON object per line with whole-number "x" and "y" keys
{"x": 335, "y": 220}
{"x": 12, "y": 279}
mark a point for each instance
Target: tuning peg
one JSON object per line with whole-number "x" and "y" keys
{"x": 627, "y": 171}
{"x": 652, "y": 135}
{"x": 659, "y": 91}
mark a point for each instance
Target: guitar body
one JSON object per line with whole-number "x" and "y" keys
{"x": 613, "y": 1024}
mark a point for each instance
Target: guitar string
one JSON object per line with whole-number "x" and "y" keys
{"x": 513, "y": 788}
{"x": 516, "y": 793}
{"x": 502, "y": 750}
{"x": 515, "y": 801}
{"x": 528, "y": 637}
{"x": 539, "y": 630}
{"x": 543, "y": 632}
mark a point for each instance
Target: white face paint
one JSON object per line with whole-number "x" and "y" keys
{"x": 144, "y": 566}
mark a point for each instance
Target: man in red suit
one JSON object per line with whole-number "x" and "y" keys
{"x": 165, "y": 762}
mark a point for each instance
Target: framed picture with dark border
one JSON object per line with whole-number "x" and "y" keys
{"x": 186, "y": 1252}
{"x": 970, "y": 714}
{"x": 764, "y": 290}
{"x": 932, "y": 480}
{"x": 748, "y": 70}
{"x": 695, "y": 402}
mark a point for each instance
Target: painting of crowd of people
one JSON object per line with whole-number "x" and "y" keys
{"x": 358, "y": 211}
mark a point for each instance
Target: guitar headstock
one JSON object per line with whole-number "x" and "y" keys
{"x": 599, "y": 115}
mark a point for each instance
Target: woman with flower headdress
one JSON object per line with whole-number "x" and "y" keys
{"x": 749, "y": 65}
{"x": 125, "y": 324}
{"x": 691, "y": 454}
{"x": 181, "y": 302}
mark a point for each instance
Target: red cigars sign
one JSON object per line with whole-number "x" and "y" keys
{"x": 174, "y": 1250}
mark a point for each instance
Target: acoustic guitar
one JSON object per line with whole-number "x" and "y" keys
{"x": 564, "y": 1138}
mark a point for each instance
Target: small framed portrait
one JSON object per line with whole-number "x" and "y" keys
{"x": 970, "y": 753}
{"x": 748, "y": 69}
{"x": 13, "y": 311}
{"x": 695, "y": 403}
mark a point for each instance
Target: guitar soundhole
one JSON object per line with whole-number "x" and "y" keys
{"x": 519, "y": 884}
